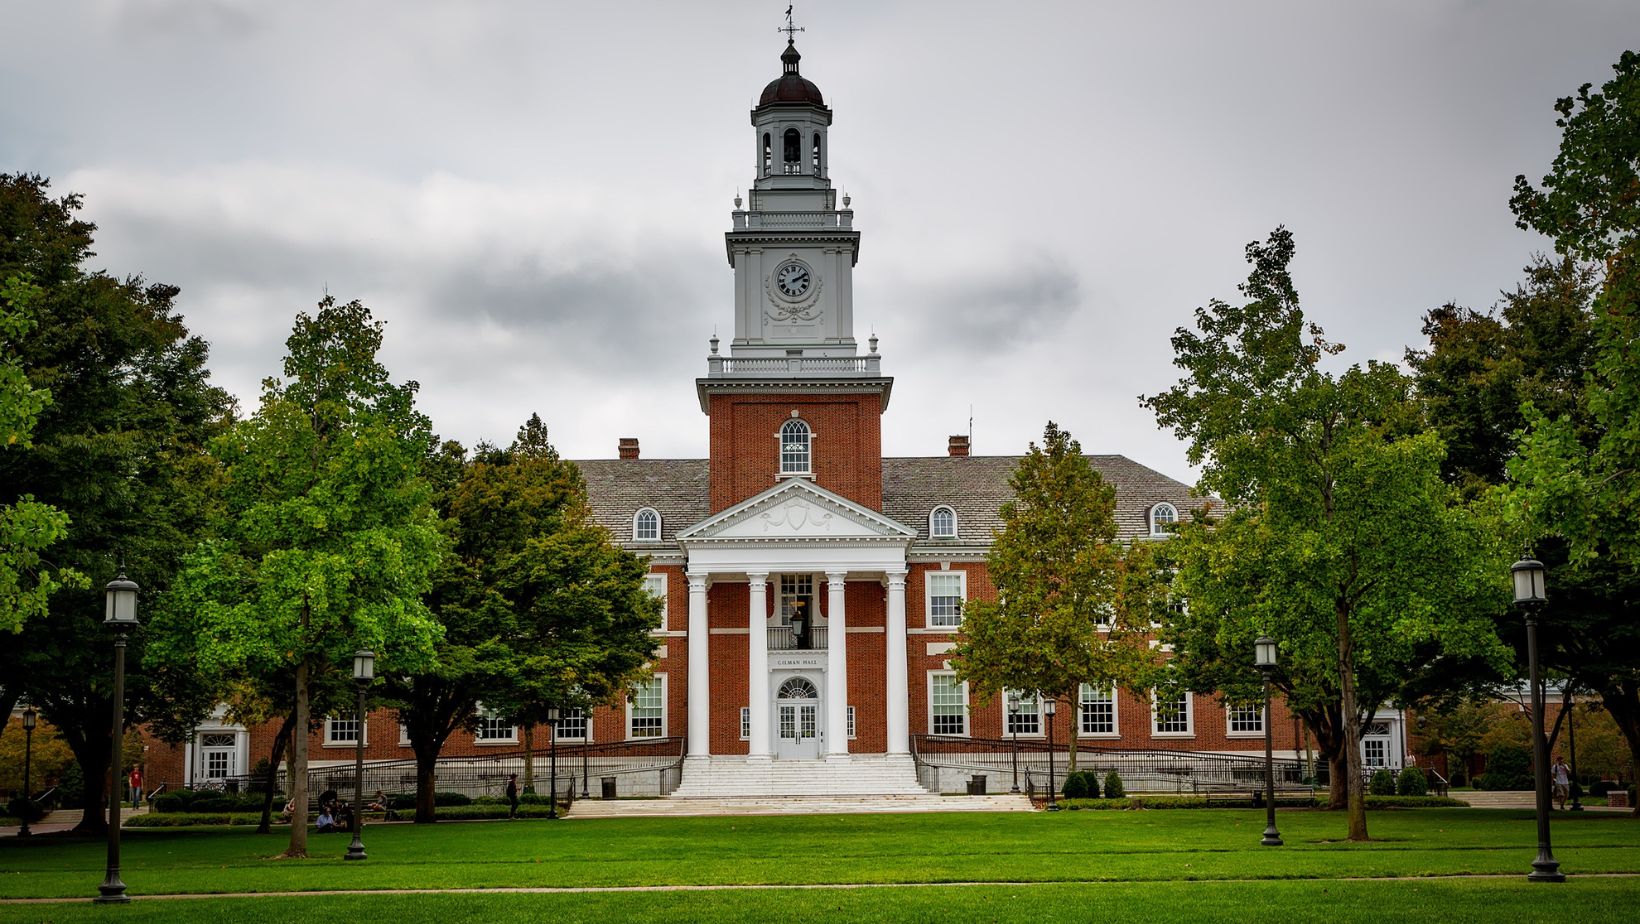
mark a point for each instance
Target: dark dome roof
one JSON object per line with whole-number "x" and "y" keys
{"x": 791, "y": 87}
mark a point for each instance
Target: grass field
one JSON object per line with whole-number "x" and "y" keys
{"x": 1155, "y": 865}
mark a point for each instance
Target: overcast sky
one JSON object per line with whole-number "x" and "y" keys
{"x": 532, "y": 195}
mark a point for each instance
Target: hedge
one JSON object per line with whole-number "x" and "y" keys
{"x": 192, "y": 819}
{"x": 1199, "y": 802}
{"x": 402, "y": 801}
{"x": 21, "y": 808}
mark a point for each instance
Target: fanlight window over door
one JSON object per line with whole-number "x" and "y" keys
{"x": 798, "y": 688}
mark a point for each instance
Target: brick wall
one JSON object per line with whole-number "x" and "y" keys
{"x": 847, "y": 446}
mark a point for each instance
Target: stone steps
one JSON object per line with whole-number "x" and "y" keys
{"x": 795, "y": 805}
{"x": 738, "y": 777}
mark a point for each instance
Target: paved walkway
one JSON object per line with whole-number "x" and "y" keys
{"x": 1515, "y": 799}
{"x": 766, "y": 887}
{"x": 65, "y": 820}
{"x": 796, "y": 805}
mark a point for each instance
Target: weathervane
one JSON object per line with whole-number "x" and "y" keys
{"x": 791, "y": 29}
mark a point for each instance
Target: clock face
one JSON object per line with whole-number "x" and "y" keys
{"x": 792, "y": 279}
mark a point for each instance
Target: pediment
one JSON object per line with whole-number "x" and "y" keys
{"x": 797, "y": 510}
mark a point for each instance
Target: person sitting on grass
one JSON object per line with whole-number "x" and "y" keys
{"x": 326, "y": 821}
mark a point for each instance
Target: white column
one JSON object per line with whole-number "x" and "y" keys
{"x": 758, "y": 664}
{"x": 899, "y": 729}
{"x": 836, "y": 668}
{"x": 700, "y": 737}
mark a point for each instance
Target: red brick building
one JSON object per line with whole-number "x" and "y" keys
{"x": 813, "y": 588}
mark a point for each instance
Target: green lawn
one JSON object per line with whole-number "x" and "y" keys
{"x": 1034, "y": 867}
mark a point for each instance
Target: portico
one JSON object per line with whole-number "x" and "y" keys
{"x": 794, "y": 546}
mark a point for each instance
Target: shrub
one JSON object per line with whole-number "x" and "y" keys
{"x": 1383, "y": 783}
{"x": 215, "y": 804}
{"x": 406, "y": 801}
{"x": 1076, "y": 786}
{"x": 1113, "y": 786}
{"x": 26, "y": 809}
{"x": 1381, "y": 802}
{"x": 1600, "y": 787}
{"x": 1508, "y": 767}
{"x": 1411, "y": 782}
{"x": 169, "y": 802}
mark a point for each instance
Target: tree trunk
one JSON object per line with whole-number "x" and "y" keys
{"x": 1351, "y": 726}
{"x": 299, "y": 763}
{"x": 266, "y": 824}
{"x": 529, "y": 757}
{"x": 426, "y": 765}
{"x": 1070, "y": 738}
{"x": 1325, "y": 725}
{"x": 94, "y": 763}
{"x": 1623, "y": 703}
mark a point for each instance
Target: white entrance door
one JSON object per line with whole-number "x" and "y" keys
{"x": 218, "y": 756}
{"x": 797, "y": 720}
{"x": 1375, "y": 746}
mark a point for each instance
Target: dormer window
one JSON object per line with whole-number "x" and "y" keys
{"x": 646, "y": 526}
{"x": 942, "y": 523}
{"x": 795, "y": 448}
{"x": 1161, "y": 517}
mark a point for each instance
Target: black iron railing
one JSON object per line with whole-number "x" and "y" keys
{"x": 947, "y": 764}
{"x": 644, "y": 767}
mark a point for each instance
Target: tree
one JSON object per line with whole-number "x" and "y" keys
{"x": 1575, "y": 488}
{"x": 328, "y": 541}
{"x": 119, "y": 451}
{"x": 539, "y": 607}
{"x": 1341, "y": 539}
{"x": 27, "y": 527}
{"x": 1072, "y": 605}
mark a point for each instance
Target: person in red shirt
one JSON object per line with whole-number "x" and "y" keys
{"x": 135, "y": 783}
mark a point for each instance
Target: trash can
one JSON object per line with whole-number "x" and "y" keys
{"x": 609, "y": 786}
{"x": 976, "y": 785}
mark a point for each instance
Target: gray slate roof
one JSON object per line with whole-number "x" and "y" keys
{"x": 974, "y": 486}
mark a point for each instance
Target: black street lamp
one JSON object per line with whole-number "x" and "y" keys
{"x": 1528, "y": 577}
{"x": 1013, "y": 730}
{"x": 1048, "y": 709}
{"x": 552, "y": 787}
{"x": 29, "y": 718}
{"x": 1264, "y": 657}
{"x": 120, "y": 615}
{"x": 364, "y": 671}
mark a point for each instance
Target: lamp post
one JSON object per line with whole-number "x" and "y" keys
{"x": 120, "y": 615}
{"x": 552, "y": 787}
{"x": 1049, "y": 706}
{"x": 1528, "y": 579}
{"x": 1571, "y": 742}
{"x": 1264, "y": 657}
{"x": 364, "y": 671}
{"x": 1013, "y": 729}
{"x": 29, "y": 718}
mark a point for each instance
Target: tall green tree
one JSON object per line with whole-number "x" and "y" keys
{"x": 540, "y": 608}
{"x": 1341, "y": 539}
{"x": 1072, "y": 606}
{"x": 328, "y": 541}
{"x": 1575, "y": 488}
{"x": 27, "y": 527}
{"x": 119, "y": 450}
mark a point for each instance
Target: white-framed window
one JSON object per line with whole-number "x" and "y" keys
{"x": 1096, "y": 709}
{"x": 796, "y": 593}
{"x": 1162, "y": 516}
{"x": 745, "y": 723}
{"x": 344, "y": 731}
{"x": 493, "y": 729}
{"x": 947, "y": 704}
{"x": 942, "y": 523}
{"x": 1171, "y": 712}
{"x": 573, "y": 725}
{"x": 1026, "y": 721}
{"x": 946, "y": 590}
{"x": 1243, "y": 719}
{"x": 646, "y": 712}
{"x": 796, "y": 448}
{"x": 646, "y": 526}
{"x": 851, "y": 734}
{"x": 655, "y": 584}
{"x": 404, "y": 735}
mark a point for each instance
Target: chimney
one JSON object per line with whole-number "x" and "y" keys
{"x": 629, "y": 447}
{"x": 958, "y": 445}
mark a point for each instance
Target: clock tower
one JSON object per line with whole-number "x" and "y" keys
{"x": 793, "y": 356}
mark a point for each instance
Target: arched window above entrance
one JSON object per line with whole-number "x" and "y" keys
{"x": 795, "y": 448}
{"x": 797, "y": 688}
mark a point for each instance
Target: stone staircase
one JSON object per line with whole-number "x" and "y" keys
{"x": 857, "y": 775}
{"x": 796, "y": 805}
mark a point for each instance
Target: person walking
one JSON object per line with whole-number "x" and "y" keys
{"x": 135, "y": 782}
{"x": 1562, "y": 777}
{"x": 512, "y": 796}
